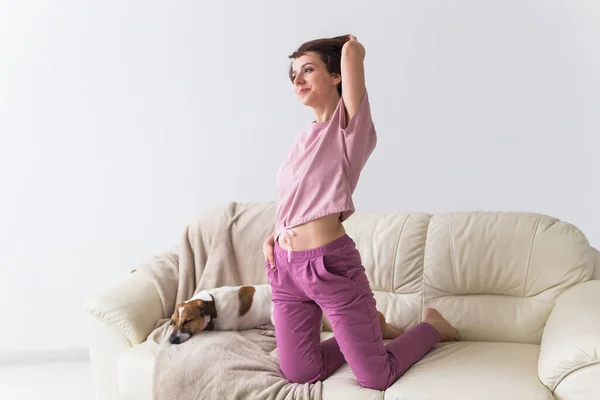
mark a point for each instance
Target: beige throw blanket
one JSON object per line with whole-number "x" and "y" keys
{"x": 224, "y": 247}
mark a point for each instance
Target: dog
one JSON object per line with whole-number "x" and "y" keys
{"x": 235, "y": 308}
{"x": 226, "y": 308}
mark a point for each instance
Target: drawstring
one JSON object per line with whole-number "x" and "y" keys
{"x": 287, "y": 233}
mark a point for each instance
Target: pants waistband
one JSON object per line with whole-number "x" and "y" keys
{"x": 316, "y": 252}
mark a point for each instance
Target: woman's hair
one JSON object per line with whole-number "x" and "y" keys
{"x": 330, "y": 52}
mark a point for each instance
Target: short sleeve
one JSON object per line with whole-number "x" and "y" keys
{"x": 359, "y": 134}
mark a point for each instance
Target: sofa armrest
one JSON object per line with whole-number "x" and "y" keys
{"x": 571, "y": 338}
{"x": 133, "y": 306}
{"x": 118, "y": 319}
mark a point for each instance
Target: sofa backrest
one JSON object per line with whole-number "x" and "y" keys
{"x": 494, "y": 275}
{"x": 596, "y": 274}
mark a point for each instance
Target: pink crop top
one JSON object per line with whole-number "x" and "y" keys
{"x": 322, "y": 169}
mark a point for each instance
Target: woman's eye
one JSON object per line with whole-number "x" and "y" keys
{"x": 307, "y": 70}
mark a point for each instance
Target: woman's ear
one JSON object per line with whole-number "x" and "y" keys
{"x": 337, "y": 78}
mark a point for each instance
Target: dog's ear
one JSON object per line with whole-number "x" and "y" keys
{"x": 210, "y": 326}
{"x": 209, "y": 307}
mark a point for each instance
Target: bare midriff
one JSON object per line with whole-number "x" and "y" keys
{"x": 313, "y": 234}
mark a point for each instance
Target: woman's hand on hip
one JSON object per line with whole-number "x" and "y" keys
{"x": 268, "y": 250}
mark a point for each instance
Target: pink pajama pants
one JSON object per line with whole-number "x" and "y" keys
{"x": 332, "y": 279}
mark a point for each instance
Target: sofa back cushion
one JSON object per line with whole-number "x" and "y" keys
{"x": 495, "y": 276}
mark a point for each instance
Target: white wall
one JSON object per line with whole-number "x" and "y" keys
{"x": 122, "y": 121}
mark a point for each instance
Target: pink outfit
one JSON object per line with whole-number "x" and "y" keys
{"x": 317, "y": 179}
{"x": 332, "y": 279}
{"x": 321, "y": 171}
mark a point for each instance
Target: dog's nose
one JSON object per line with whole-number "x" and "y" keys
{"x": 174, "y": 339}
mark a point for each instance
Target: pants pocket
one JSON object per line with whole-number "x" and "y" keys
{"x": 345, "y": 262}
{"x": 331, "y": 288}
{"x": 269, "y": 272}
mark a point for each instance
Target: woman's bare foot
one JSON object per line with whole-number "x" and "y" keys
{"x": 387, "y": 331}
{"x": 447, "y": 332}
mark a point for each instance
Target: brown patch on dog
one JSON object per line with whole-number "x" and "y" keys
{"x": 246, "y": 295}
{"x": 192, "y": 315}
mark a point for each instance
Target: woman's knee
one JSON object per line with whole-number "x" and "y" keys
{"x": 298, "y": 373}
{"x": 374, "y": 380}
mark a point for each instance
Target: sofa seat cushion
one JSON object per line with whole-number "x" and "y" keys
{"x": 342, "y": 384}
{"x": 135, "y": 367}
{"x": 473, "y": 371}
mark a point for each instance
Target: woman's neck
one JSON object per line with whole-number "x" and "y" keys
{"x": 324, "y": 111}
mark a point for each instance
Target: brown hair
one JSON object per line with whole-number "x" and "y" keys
{"x": 330, "y": 52}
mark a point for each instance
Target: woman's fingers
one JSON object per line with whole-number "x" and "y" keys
{"x": 269, "y": 254}
{"x": 272, "y": 260}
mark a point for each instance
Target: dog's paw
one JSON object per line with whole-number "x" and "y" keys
{"x": 267, "y": 327}
{"x": 268, "y": 333}
{"x": 267, "y": 330}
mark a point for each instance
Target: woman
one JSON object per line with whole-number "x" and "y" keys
{"x": 313, "y": 266}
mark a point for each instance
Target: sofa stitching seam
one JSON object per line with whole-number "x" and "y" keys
{"x": 396, "y": 252}
{"x": 119, "y": 324}
{"x": 423, "y": 269}
{"x": 570, "y": 371}
{"x": 452, "y": 260}
{"x": 529, "y": 256}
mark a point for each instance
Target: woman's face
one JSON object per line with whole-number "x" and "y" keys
{"x": 313, "y": 84}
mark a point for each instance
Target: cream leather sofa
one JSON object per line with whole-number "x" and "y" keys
{"x": 520, "y": 288}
